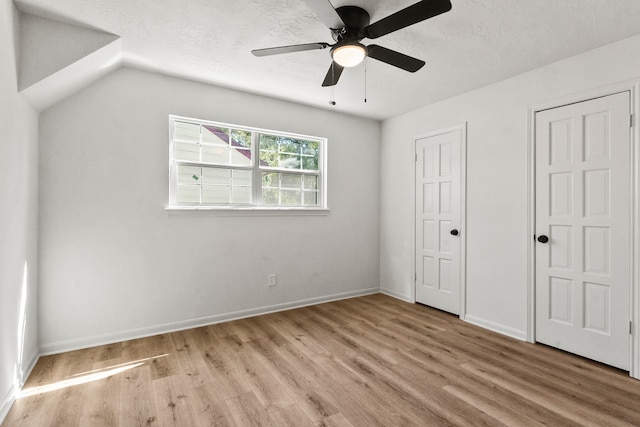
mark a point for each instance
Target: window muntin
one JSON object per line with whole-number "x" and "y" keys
{"x": 214, "y": 164}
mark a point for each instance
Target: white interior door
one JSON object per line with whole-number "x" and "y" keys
{"x": 583, "y": 205}
{"x": 438, "y": 220}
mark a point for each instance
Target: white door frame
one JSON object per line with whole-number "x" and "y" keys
{"x": 463, "y": 212}
{"x": 633, "y": 87}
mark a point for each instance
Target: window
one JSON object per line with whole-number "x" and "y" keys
{"x": 221, "y": 165}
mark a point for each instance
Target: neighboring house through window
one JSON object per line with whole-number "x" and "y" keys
{"x": 220, "y": 165}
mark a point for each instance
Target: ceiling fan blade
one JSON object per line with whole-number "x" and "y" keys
{"x": 288, "y": 49}
{"x": 408, "y": 16}
{"x": 394, "y": 58}
{"x": 326, "y": 12}
{"x": 332, "y": 75}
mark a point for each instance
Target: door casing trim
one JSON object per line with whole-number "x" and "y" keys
{"x": 633, "y": 87}
{"x": 462, "y": 127}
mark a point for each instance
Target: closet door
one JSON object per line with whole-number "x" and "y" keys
{"x": 583, "y": 223}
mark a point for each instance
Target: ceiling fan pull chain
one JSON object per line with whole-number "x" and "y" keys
{"x": 365, "y": 80}
{"x": 332, "y": 99}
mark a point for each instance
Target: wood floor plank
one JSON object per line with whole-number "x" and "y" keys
{"x": 270, "y": 393}
{"x": 296, "y": 336}
{"x": 225, "y": 373}
{"x": 315, "y": 402}
{"x": 290, "y": 416}
{"x": 190, "y": 362}
{"x": 247, "y": 411}
{"x": 209, "y": 407}
{"x": 337, "y": 420}
{"x": 60, "y": 407}
{"x": 423, "y": 399}
{"x": 440, "y": 366}
{"x": 506, "y": 416}
{"x": 101, "y": 399}
{"x": 137, "y": 405}
{"x": 364, "y": 362}
{"x": 581, "y": 414}
{"x": 158, "y": 350}
{"x": 356, "y": 393}
{"x": 173, "y": 405}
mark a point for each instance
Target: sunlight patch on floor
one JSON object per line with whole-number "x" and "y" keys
{"x": 86, "y": 377}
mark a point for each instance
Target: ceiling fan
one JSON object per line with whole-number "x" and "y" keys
{"x": 350, "y": 24}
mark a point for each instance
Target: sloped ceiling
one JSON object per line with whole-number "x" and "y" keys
{"x": 49, "y": 46}
{"x": 479, "y": 42}
{"x": 56, "y": 59}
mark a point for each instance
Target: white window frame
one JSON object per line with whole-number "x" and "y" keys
{"x": 255, "y": 168}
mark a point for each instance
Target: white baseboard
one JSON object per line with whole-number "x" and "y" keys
{"x": 486, "y": 324}
{"x": 80, "y": 343}
{"x": 496, "y": 327}
{"x": 8, "y": 400}
{"x": 396, "y": 295}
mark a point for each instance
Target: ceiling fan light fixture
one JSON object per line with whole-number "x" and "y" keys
{"x": 349, "y": 54}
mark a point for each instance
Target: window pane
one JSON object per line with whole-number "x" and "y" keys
{"x": 310, "y": 163}
{"x": 291, "y": 198}
{"x": 288, "y": 145}
{"x": 268, "y": 151}
{"x": 189, "y": 175}
{"x": 240, "y": 157}
{"x": 188, "y": 194}
{"x": 186, "y": 132}
{"x": 241, "y": 178}
{"x": 269, "y": 158}
{"x": 215, "y": 135}
{"x": 310, "y": 198}
{"x": 216, "y": 176}
{"x": 268, "y": 142}
{"x": 291, "y": 181}
{"x": 241, "y": 138}
{"x": 186, "y": 151}
{"x": 241, "y": 195}
{"x": 270, "y": 196}
{"x": 310, "y": 182}
{"x": 288, "y": 161}
{"x": 310, "y": 147}
{"x": 215, "y": 194}
{"x": 270, "y": 179}
{"x": 215, "y": 154}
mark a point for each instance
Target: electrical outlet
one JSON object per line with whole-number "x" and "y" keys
{"x": 272, "y": 280}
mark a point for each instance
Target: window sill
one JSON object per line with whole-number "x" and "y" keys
{"x": 244, "y": 211}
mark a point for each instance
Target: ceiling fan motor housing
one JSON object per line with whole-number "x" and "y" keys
{"x": 355, "y": 20}
{"x": 348, "y": 51}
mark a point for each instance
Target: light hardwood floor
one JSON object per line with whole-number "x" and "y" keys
{"x": 369, "y": 361}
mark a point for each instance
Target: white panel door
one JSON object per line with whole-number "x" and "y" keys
{"x": 438, "y": 220}
{"x": 583, "y": 225}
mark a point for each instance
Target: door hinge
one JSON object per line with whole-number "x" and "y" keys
{"x": 415, "y": 276}
{"x": 630, "y": 120}
{"x": 416, "y": 157}
{"x": 630, "y": 328}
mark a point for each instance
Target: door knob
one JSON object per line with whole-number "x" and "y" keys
{"x": 454, "y": 232}
{"x": 543, "y": 239}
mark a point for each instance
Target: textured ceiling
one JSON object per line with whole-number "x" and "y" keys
{"x": 477, "y": 43}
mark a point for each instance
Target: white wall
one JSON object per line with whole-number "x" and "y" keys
{"x": 18, "y": 219}
{"x": 497, "y": 235}
{"x": 114, "y": 264}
